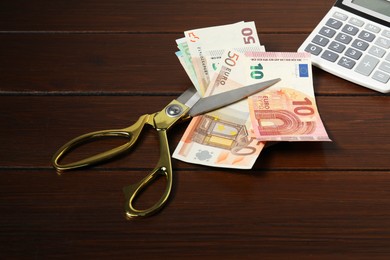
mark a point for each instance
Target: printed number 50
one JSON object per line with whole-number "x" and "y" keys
{"x": 248, "y": 39}
{"x": 231, "y": 59}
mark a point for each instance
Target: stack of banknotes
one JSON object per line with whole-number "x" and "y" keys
{"x": 223, "y": 58}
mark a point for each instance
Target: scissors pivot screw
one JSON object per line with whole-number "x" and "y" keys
{"x": 174, "y": 110}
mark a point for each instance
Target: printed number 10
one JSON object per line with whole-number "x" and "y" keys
{"x": 303, "y": 108}
{"x": 256, "y": 72}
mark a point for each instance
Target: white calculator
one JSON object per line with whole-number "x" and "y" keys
{"x": 352, "y": 41}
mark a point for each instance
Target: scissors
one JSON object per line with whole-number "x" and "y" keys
{"x": 187, "y": 105}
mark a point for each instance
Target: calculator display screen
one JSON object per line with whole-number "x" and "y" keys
{"x": 376, "y": 8}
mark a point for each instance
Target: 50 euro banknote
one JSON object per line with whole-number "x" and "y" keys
{"x": 213, "y": 141}
{"x": 206, "y": 45}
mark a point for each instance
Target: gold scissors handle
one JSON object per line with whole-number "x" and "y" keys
{"x": 132, "y": 133}
{"x": 161, "y": 121}
{"x": 163, "y": 167}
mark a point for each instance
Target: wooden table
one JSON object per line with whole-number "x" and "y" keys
{"x": 70, "y": 67}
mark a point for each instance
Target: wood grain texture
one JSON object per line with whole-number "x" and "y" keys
{"x": 156, "y": 16}
{"x": 118, "y": 64}
{"x": 211, "y": 214}
{"x": 51, "y": 121}
{"x": 70, "y": 67}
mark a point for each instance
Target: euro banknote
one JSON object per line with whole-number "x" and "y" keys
{"x": 185, "y": 59}
{"x": 224, "y": 137}
{"x": 206, "y": 45}
{"x": 223, "y": 58}
{"x": 286, "y": 111}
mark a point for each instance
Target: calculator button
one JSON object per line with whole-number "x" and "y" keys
{"x": 381, "y": 76}
{"x": 366, "y": 36}
{"x": 376, "y": 51}
{"x": 325, "y": 31}
{"x": 356, "y": 22}
{"x": 373, "y": 28}
{"x": 388, "y": 57}
{"x": 352, "y": 30}
{"x": 346, "y": 63}
{"x": 330, "y": 56}
{"x": 322, "y": 41}
{"x": 313, "y": 49}
{"x": 340, "y": 16}
{"x": 367, "y": 65}
{"x": 354, "y": 54}
{"x": 386, "y": 33}
{"x": 344, "y": 38}
{"x": 336, "y": 24}
{"x": 382, "y": 42}
{"x": 361, "y": 45}
{"x": 337, "y": 47}
{"x": 385, "y": 66}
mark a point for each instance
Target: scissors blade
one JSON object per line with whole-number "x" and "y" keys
{"x": 207, "y": 104}
{"x": 189, "y": 97}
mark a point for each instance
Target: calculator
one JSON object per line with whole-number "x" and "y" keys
{"x": 352, "y": 41}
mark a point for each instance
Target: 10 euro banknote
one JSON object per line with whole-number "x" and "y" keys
{"x": 287, "y": 111}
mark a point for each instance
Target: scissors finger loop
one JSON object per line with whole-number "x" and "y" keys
{"x": 133, "y": 191}
{"x": 131, "y": 133}
{"x": 92, "y": 159}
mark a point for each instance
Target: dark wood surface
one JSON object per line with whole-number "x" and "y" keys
{"x": 70, "y": 67}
